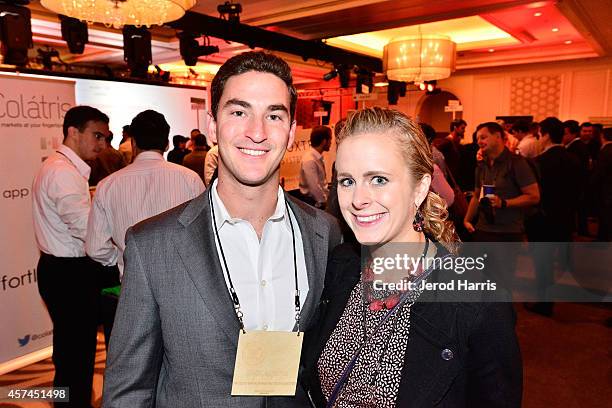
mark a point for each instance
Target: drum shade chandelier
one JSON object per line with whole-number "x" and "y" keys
{"x": 418, "y": 58}
{"x": 117, "y": 13}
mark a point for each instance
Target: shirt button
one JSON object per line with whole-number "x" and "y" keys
{"x": 263, "y": 283}
{"x": 447, "y": 354}
{"x": 265, "y": 327}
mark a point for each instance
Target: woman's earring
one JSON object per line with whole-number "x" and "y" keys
{"x": 419, "y": 221}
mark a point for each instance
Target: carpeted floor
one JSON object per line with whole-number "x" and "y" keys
{"x": 567, "y": 360}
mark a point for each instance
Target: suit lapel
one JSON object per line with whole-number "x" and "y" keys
{"x": 315, "y": 239}
{"x": 196, "y": 246}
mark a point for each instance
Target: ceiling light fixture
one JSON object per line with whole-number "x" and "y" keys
{"x": 568, "y": 42}
{"x": 419, "y": 58}
{"x": 554, "y": 30}
{"x": 491, "y": 49}
{"x": 117, "y": 13}
{"x": 537, "y": 14}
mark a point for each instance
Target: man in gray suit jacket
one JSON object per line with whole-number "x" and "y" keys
{"x": 176, "y": 330}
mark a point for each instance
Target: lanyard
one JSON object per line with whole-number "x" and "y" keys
{"x": 232, "y": 290}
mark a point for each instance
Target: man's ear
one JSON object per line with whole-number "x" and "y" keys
{"x": 291, "y": 134}
{"x": 211, "y": 125}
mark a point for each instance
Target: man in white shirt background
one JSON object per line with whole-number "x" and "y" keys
{"x": 147, "y": 187}
{"x": 313, "y": 181}
{"x": 66, "y": 276}
{"x": 528, "y": 146}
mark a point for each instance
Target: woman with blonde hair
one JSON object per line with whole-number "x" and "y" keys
{"x": 388, "y": 334}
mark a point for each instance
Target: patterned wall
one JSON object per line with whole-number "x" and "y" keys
{"x": 538, "y": 96}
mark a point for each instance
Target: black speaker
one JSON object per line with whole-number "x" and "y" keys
{"x": 15, "y": 34}
{"x": 137, "y": 50}
{"x": 74, "y": 32}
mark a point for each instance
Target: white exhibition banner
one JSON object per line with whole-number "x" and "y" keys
{"x": 31, "y": 116}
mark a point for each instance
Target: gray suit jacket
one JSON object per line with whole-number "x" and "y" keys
{"x": 175, "y": 334}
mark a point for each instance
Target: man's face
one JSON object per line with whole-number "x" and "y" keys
{"x": 91, "y": 140}
{"x": 253, "y": 128}
{"x": 327, "y": 145}
{"x": 194, "y": 133}
{"x": 489, "y": 142}
{"x": 567, "y": 136}
{"x": 460, "y": 130}
{"x": 586, "y": 133}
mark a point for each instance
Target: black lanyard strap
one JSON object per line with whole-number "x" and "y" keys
{"x": 232, "y": 290}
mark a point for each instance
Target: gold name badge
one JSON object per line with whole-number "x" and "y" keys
{"x": 267, "y": 363}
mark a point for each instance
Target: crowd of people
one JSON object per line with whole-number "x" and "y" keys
{"x": 188, "y": 259}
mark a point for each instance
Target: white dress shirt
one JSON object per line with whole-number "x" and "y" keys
{"x": 147, "y": 187}
{"x": 528, "y": 146}
{"x": 61, "y": 203}
{"x": 313, "y": 182}
{"x": 263, "y": 271}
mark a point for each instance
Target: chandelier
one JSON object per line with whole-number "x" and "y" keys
{"x": 117, "y": 13}
{"x": 419, "y": 58}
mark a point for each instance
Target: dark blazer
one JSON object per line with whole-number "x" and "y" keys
{"x": 559, "y": 187}
{"x": 581, "y": 152}
{"x": 602, "y": 187}
{"x": 175, "y": 334}
{"x": 484, "y": 370}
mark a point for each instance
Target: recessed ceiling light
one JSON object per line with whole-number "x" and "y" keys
{"x": 568, "y": 41}
{"x": 491, "y": 49}
{"x": 555, "y": 29}
{"x": 538, "y": 14}
{"x": 381, "y": 84}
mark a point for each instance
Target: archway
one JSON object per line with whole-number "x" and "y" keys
{"x": 432, "y": 111}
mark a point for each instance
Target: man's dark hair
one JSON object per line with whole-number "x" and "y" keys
{"x": 126, "y": 129}
{"x": 178, "y": 139}
{"x": 428, "y": 131}
{"x": 78, "y": 117}
{"x": 200, "y": 140}
{"x": 598, "y": 126}
{"x": 456, "y": 123}
{"x": 520, "y": 126}
{"x": 586, "y": 124}
{"x": 552, "y": 127}
{"x": 607, "y": 134}
{"x": 257, "y": 61}
{"x": 319, "y": 134}
{"x": 195, "y": 130}
{"x": 572, "y": 125}
{"x": 150, "y": 130}
{"x": 492, "y": 127}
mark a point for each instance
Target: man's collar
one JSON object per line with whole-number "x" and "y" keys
{"x": 317, "y": 155}
{"x": 222, "y": 215}
{"x": 82, "y": 167}
{"x": 148, "y": 155}
{"x": 572, "y": 141}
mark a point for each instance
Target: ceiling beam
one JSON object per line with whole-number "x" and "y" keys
{"x": 258, "y": 37}
{"x": 578, "y": 14}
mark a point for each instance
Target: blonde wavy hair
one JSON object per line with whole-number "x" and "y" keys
{"x": 418, "y": 157}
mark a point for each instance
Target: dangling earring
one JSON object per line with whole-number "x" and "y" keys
{"x": 419, "y": 221}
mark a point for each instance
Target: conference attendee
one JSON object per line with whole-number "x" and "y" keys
{"x": 313, "y": 180}
{"x": 179, "y": 151}
{"x": 602, "y": 186}
{"x": 450, "y": 146}
{"x": 505, "y": 187}
{"x": 210, "y": 164}
{"x": 153, "y": 183}
{"x": 192, "y": 135}
{"x": 242, "y": 257}
{"x": 126, "y": 144}
{"x": 528, "y": 146}
{"x": 109, "y": 160}
{"x": 377, "y": 347}
{"x": 66, "y": 276}
{"x": 558, "y": 182}
{"x": 196, "y": 159}
{"x": 577, "y": 148}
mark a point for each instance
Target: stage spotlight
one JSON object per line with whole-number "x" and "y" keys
{"x": 330, "y": 75}
{"x": 230, "y": 11}
{"x": 15, "y": 33}
{"x": 74, "y": 32}
{"x": 364, "y": 78}
{"x": 344, "y": 74}
{"x": 394, "y": 91}
{"x": 190, "y": 48}
{"x": 422, "y": 86}
{"x": 161, "y": 74}
{"x": 137, "y": 50}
